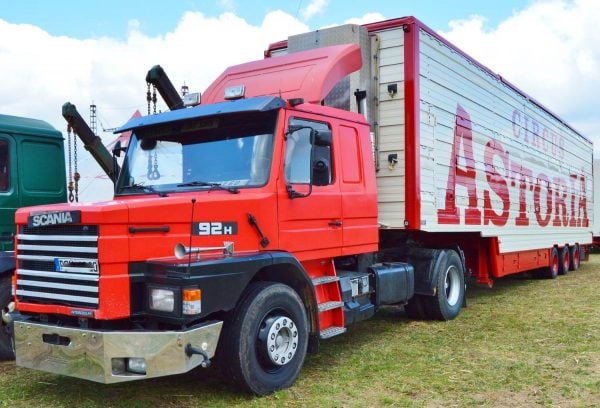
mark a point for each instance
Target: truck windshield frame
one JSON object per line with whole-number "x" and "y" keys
{"x": 222, "y": 152}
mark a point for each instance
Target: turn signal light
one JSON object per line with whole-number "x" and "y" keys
{"x": 191, "y": 301}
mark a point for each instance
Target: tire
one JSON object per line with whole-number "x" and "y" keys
{"x": 450, "y": 289}
{"x": 563, "y": 260}
{"x": 574, "y": 257}
{"x": 7, "y": 340}
{"x": 265, "y": 341}
{"x": 551, "y": 271}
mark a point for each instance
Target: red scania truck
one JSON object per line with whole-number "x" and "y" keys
{"x": 352, "y": 167}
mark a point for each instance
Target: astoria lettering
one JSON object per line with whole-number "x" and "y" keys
{"x": 557, "y": 200}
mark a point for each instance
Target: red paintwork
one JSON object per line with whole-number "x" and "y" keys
{"x": 412, "y": 120}
{"x": 299, "y": 226}
{"x": 307, "y": 74}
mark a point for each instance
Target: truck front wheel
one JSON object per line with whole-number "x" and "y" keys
{"x": 7, "y": 345}
{"x": 265, "y": 342}
{"x": 449, "y": 289}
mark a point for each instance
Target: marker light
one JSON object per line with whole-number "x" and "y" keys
{"x": 234, "y": 92}
{"x": 191, "y": 301}
{"x": 191, "y": 99}
{"x": 162, "y": 300}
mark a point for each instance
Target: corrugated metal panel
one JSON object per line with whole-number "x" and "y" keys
{"x": 390, "y": 179}
{"x": 532, "y": 144}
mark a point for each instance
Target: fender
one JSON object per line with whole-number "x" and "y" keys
{"x": 222, "y": 280}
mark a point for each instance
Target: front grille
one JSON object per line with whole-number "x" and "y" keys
{"x": 58, "y": 265}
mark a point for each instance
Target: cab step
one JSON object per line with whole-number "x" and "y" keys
{"x": 323, "y": 307}
{"x": 322, "y": 280}
{"x": 331, "y": 332}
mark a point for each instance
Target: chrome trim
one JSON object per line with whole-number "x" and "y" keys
{"x": 55, "y": 296}
{"x": 89, "y": 354}
{"x": 61, "y": 275}
{"x": 87, "y": 238}
{"x": 42, "y": 284}
{"x": 89, "y": 250}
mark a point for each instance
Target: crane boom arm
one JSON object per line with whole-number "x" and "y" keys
{"x": 158, "y": 77}
{"x": 92, "y": 142}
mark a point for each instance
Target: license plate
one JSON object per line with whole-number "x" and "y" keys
{"x": 76, "y": 265}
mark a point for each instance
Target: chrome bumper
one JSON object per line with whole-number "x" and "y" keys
{"x": 98, "y": 355}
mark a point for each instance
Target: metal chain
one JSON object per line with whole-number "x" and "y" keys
{"x": 153, "y": 173}
{"x": 148, "y": 97}
{"x": 76, "y": 175}
{"x": 154, "y": 98}
{"x": 70, "y": 185}
{"x": 151, "y": 98}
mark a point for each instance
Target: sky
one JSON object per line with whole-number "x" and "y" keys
{"x": 99, "y": 52}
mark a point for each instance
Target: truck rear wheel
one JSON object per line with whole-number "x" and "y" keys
{"x": 265, "y": 341}
{"x": 449, "y": 289}
{"x": 563, "y": 260}
{"x": 574, "y": 257}
{"x": 7, "y": 341}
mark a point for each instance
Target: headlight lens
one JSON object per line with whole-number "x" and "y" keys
{"x": 162, "y": 300}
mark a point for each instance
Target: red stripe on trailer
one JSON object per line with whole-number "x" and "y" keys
{"x": 412, "y": 131}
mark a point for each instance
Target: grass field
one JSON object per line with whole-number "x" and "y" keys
{"x": 526, "y": 342}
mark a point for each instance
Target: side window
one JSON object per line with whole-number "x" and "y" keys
{"x": 297, "y": 162}
{"x": 4, "y": 166}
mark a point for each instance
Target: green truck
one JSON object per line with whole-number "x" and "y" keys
{"x": 32, "y": 172}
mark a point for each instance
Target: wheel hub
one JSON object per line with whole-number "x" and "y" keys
{"x": 452, "y": 283}
{"x": 280, "y": 339}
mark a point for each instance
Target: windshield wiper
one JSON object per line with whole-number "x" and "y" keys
{"x": 213, "y": 186}
{"x": 142, "y": 187}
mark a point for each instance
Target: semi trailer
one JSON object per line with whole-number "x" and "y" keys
{"x": 351, "y": 168}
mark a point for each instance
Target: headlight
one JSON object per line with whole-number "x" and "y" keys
{"x": 162, "y": 300}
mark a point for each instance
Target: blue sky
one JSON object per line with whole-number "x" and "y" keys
{"x": 110, "y": 18}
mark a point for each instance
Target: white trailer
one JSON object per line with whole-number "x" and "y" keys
{"x": 462, "y": 155}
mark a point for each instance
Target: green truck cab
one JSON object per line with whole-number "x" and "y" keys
{"x": 32, "y": 172}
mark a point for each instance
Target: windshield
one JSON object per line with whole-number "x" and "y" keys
{"x": 228, "y": 152}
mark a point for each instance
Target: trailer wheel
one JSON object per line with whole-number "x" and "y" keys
{"x": 265, "y": 341}
{"x": 7, "y": 340}
{"x": 574, "y": 257}
{"x": 563, "y": 260}
{"x": 450, "y": 289}
{"x": 551, "y": 271}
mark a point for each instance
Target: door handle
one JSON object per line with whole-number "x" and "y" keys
{"x": 336, "y": 223}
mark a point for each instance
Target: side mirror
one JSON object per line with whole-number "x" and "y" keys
{"x": 117, "y": 149}
{"x": 321, "y": 138}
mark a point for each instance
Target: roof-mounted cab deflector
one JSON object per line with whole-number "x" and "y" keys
{"x": 307, "y": 74}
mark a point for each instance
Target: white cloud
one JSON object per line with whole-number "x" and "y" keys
{"x": 41, "y": 72}
{"x": 366, "y": 19}
{"x": 549, "y": 50}
{"x": 314, "y": 7}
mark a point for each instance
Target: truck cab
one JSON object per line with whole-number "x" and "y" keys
{"x": 226, "y": 216}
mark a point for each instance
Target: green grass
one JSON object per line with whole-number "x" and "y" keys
{"x": 525, "y": 342}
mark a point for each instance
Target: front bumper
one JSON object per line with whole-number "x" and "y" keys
{"x": 94, "y": 354}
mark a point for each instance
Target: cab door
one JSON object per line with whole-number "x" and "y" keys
{"x": 309, "y": 200}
